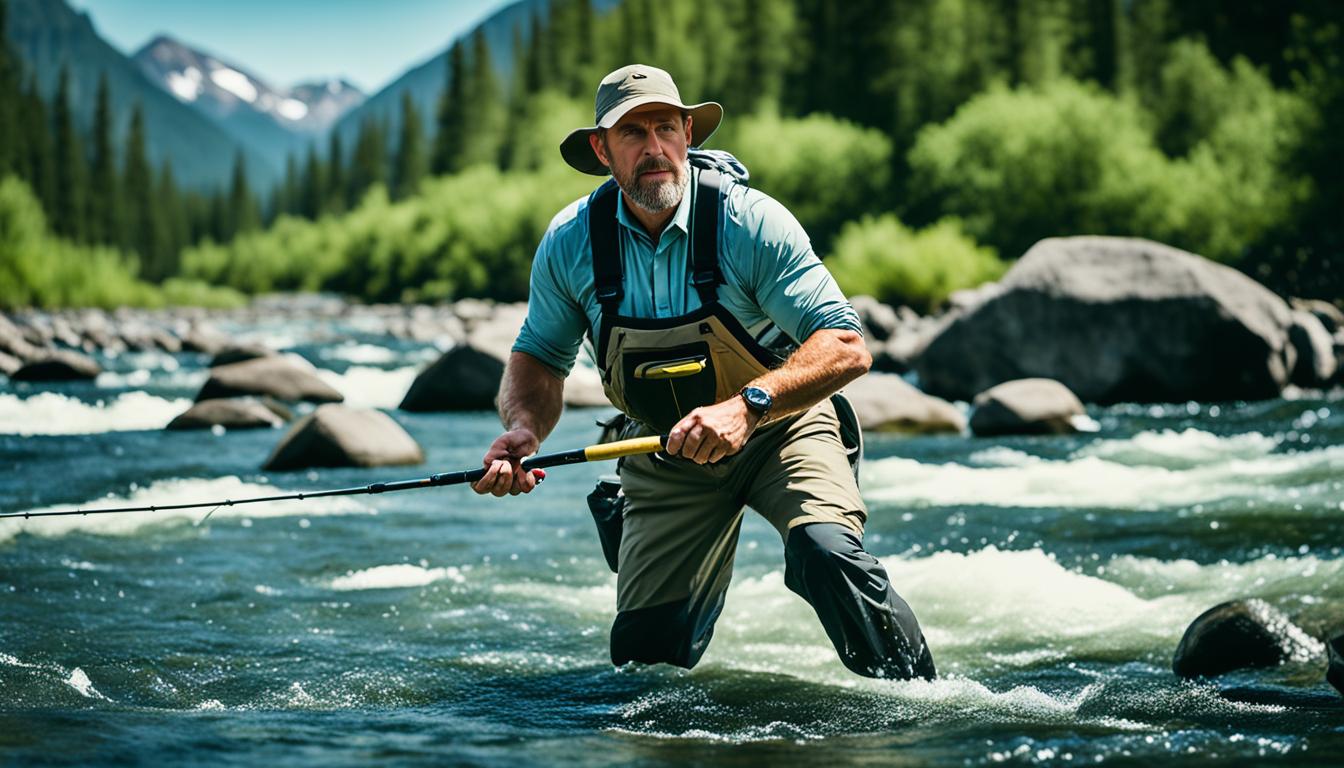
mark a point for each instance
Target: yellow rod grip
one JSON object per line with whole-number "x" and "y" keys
{"x": 616, "y": 450}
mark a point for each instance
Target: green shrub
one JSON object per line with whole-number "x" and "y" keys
{"x": 882, "y": 257}
{"x": 825, "y": 170}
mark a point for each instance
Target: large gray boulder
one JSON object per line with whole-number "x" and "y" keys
{"x": 583, "y": 389}
{"x": 338, "y": 436}
{"x": 239, "y": 353}
{"x": 465, "y": 378}
{"x": 267, "y": 376}
{"x": 879, "y": 320}
{"x": 1241, "y": 634}
{"x": 230, "y": 413}
{"x": 58, "y": 365}
{"x": 9, "y": 364}
{"x": 884, "y": 402}
{"x": 1117, "y": 319}
{"x": 1026, "y": 407}
{"x": 1315, "y": 349}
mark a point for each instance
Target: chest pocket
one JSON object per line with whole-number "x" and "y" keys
{"x": 662, "y": 385}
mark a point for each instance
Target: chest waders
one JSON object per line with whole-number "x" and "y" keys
{"x": 671, "y": 525}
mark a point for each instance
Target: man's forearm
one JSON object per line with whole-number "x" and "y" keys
{"x": 531, "y": 397}
{"x": 827, "y": 361}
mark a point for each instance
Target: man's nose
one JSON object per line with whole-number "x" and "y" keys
{"x": 652, "y": 147}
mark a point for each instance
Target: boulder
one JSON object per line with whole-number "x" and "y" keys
{"x": 497, "y": 334}
{"x": 9, "y": 364}
{"x": 206, "y": 340}
{"x": 1330, "y": 315}
{"x": 14, "y": 343}
{"x": 1241, "y": 634}
{"x": 1315, "y": 349}
{"x": 273, "y": 375}
{"x": 239, "y": 353}
{"x": 879, "y": 320}
{"x": 1334, "y": 673}
{"x": 338, "y": 436}
{"x": 58, "y": 365}
{"x": 1116, "y": 319}
{"x": 583, "y": 389}
{"x": 884, "y": 402}
{"x": 1026, "y": 407}
{"x": 465, "y": 378}
{"x": 230, "y": 413}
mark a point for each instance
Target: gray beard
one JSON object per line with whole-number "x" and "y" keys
{"x": 658, "y": 197}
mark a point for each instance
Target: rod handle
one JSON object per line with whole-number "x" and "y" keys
{"x": 631, "y": 447}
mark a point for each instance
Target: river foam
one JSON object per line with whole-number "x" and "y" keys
{"x": 368, "y": 387}
{"x": 166, "y": 492}
{"x": 1151, "y": 470}
{"x": 393, "y": 577}
{"x": 49, "y": 413}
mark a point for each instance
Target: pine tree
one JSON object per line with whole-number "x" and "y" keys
{"x": 410, "y": 164}
{"x": 369, "y": 164}
{"x": 486, "y": 114}
{"x": 516, "y": 112}
{"x": 12, "y": 146}
{"x": 70, "y": 217}
{"x": 173, "y": 214}
{"x": 452, "y": 127}
{"x": 243, "y": 212}
{"x": 144, "y": 230}
{"x": 312, "y": 193}
{"x": 38, "y": 164}
{"x": 333, "y": 192}
{"x": 105, "y": 199}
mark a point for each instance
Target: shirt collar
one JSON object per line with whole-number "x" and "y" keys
{"x": 681, "y": 219}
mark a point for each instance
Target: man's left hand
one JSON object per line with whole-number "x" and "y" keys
{"x": 710, "y": 432}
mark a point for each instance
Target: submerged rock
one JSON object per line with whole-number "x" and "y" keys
{"x": 58, "y": 365}
{"x": 1117, "y": 320}
{"x": 1026, "y": 407}
{"x": 338, "y": 436}
{"x": 239, "y": 353}
{"x": 884, "y": 402}
{"x": 230, "y": 413}
{"x": 465, "y": 378}
{"x": 1241, "y": 634}
{"x": 1315, "y": 349}
{"x": 274, "y": 376}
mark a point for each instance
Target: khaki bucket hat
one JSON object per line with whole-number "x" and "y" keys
{"x": 623, "y": 90}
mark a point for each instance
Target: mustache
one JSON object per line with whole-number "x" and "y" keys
{"x": 654, "y": 164}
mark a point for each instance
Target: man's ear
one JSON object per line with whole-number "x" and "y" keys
{"x": 599, "y": 149}
{"x": 688, "y": 131}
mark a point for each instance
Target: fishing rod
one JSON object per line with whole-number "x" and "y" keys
{"x": 599, "y": 452}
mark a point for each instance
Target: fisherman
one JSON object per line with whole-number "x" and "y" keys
{"x": 677, "y": 274}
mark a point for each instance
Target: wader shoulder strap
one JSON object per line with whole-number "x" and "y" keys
{"x": 705, "y": 273}
{"x": 604, "y": 234}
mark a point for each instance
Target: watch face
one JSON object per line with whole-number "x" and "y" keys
{"x": 757, "y": 398}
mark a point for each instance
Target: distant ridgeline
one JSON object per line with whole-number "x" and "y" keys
{"x": 921, "y": 144}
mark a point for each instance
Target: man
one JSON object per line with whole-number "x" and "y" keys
{"x": 675, "y": 272}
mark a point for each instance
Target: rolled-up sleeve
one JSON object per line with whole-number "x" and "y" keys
{"x": 792, "y": 286}
{"x": 555, "y": 324}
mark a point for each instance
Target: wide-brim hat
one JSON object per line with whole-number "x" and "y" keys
{"x": 623, "y": 90}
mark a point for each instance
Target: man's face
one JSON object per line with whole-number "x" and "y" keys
{"x": 646, "y": 152}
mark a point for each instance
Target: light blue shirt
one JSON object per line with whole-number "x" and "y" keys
{"x": 770, "y": 275}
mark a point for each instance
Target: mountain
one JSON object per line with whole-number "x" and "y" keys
{"x": 48, "y": 34}
{"x": 271, "y": 121}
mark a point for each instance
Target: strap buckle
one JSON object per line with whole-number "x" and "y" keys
{"x": 704, "y": 277}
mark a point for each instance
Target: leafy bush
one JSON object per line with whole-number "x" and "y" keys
{"x": 825, "y": 170}
{"x": 39, "y": 270}
{"x": 882, "y": 257}
{"x": 1021, "y": 165}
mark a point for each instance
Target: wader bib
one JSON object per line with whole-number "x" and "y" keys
{"x": 673, "y": 528}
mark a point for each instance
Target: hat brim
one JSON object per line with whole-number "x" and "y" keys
{"x": 578, "y": 152}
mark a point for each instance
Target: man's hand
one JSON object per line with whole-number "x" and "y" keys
{"x": 502, "y": 471}
{"x": 710, "y": 432}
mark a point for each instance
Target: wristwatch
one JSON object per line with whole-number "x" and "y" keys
{"x": 758, "y": 400}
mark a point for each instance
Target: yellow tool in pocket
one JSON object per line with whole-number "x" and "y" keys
{"x": 670, "y": 369}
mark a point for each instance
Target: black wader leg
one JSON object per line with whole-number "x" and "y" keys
{"x": 872, "y": 628}
{"x": 672, "y": 633}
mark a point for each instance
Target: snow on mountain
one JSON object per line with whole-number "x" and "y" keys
{"x": 228, "y": 93}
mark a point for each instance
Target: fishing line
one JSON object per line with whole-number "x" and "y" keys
{"x": 599, "y": 452}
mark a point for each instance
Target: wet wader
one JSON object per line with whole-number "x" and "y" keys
{"x": 680, "y": 525}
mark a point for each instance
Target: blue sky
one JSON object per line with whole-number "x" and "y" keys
{"x": 285, "y": 42}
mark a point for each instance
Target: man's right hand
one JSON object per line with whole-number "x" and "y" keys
{"x": 503, "y": 475}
